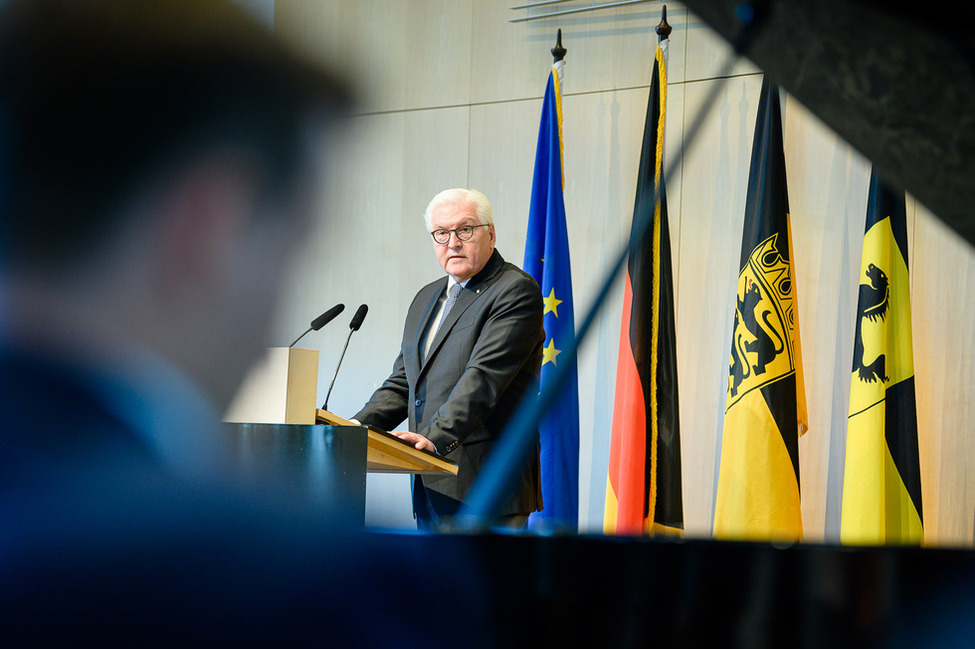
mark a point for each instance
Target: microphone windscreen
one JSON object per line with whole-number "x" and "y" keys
{"x": 327, "y": 317}
{"x": 359, "y": 316}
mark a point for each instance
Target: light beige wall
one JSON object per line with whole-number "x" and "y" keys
{"x": 453, "y": 94}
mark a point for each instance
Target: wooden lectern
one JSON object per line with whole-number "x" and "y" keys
{"x": 276, "y": 433}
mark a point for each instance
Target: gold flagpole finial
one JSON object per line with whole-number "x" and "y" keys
{"x": 663, "y": 27}
{"x": 558, "y": 51}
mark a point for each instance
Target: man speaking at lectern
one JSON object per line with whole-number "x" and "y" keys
{"x": 471, "y": 351}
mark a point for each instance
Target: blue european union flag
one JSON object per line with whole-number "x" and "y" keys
{"x": 547, "y": 260}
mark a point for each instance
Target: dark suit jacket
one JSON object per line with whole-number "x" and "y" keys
{"x": 483, "y": 361}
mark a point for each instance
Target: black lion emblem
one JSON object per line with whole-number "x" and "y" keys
{"x": 874, "y": 303}
{"x": 761, "y": 344}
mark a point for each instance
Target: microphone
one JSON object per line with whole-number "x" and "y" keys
{"x": 360, "y": 315}
{"x": 321, "y": 321}
{"x": 357, "y": 319}
{"x": 327, "y": 317}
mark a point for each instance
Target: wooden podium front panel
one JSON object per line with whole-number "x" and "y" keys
{"x": 302, "y": 386}
{"x": 280, "y": 389}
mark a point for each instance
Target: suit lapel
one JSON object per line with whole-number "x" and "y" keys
{"x": 416, "y": 344}
{"x": 467, "y": 297}
{"x": 464, "y": 300}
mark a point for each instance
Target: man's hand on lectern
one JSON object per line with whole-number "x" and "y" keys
{"x": 419, "y": 441}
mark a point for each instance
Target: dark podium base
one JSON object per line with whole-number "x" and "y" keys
{"x": 321, "y": 466}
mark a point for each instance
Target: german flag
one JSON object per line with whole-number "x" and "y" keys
{"x": 758, "y": 479}
{"x": 882, "y": 478}
{"x": 643, "y": 491}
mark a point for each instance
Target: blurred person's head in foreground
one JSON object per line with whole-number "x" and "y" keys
{"x": 158, "y": 162}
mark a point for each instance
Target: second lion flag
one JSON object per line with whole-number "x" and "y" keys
{"x": 882, "y": 477}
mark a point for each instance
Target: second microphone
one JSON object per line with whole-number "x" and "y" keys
{"x": 360, "y": 315}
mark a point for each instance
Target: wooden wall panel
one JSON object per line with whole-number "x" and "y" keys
{"x": 404, "y": 54}
{"x": 610, "y": 49}
{"x": 943, "y": 310}
{"x": 707, "y": 53}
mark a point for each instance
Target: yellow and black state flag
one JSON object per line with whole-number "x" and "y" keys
{"x": 758, "y": 478}
{"x": 882, "y": 478}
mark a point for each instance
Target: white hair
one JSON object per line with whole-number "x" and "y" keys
{"x": 461, "y": 196}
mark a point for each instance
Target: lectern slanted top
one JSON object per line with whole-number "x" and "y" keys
{"x": 387, "y": 453}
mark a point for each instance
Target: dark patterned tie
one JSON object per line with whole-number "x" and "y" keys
{"x": 451, "y": 298}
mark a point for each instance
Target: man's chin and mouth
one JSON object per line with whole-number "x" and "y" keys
{"x": 459, "y": 268}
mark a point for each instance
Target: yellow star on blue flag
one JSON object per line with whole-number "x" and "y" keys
{"x": 551, "y": 304}
{"x": 549, "y": 353}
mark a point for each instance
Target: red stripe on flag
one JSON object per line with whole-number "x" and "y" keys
{"x": 628, "y": 448}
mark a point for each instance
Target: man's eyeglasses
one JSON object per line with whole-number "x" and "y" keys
{"x": 464, "y": 233}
